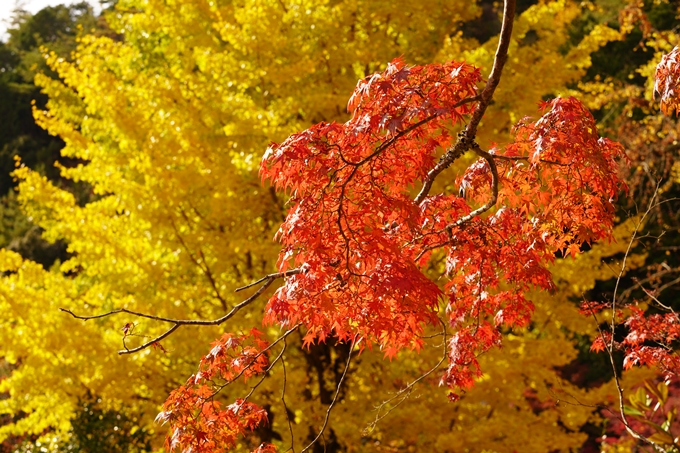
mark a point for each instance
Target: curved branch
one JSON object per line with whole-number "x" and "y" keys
{"x": 612, "y": 325}
{"x": 467, "y": 136}
{"x": 488, "y": 205}
{"x": 266, "y": 282}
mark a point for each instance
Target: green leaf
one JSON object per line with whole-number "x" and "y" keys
{"x": 654, "y": 425}
{"x": 653, "y": 390}
{"x": 632, "y": 411}
{"x": 640, "y": 397}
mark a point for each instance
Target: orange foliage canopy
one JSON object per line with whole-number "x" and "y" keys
{"x": 364, "y": 243}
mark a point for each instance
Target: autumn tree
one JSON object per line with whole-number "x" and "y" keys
{"x": 172, "y": 122}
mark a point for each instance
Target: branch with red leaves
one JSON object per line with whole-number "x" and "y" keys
{"x": 197, "y": 421}
{"x": 367, "y": 242}
{"x": 466, "y": 139}
{"x": 651, "y": 335}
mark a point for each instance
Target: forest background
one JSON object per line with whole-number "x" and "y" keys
{"x": 129, "y": 149}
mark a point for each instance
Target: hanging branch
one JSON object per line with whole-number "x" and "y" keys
{"x": 610, "y": 346}
{"x": 405, "y": 392}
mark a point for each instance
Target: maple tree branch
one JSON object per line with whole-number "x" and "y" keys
{"x": 526, "y": 158}
{"x": 403, "y": 132}
{"x": 254, "y": 359}
{"x": 467, "y": 136}
{"x": 494, "y": 191}
{"x": 495, "y": 178}
{"x": 270, "y": 276}
{"x": 148, "y": 343}
{"x": 459, "y": 148}
{"x": 269, "y": 368}
{"x": 335, "y": 399}
{"x": 656, "y": 299}
{"x": 265, "y": 281}
{"x": 498, "y": 63}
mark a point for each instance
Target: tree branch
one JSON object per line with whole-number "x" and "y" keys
{"x": 285, "y": 406}
{"x": 405, "y": 393}
{"x": 610, "y": 347}
{"x": 266, "y": 282}
{"x": 466, "y": 139}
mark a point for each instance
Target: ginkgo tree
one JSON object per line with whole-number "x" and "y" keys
{"x": 364, "y": 226}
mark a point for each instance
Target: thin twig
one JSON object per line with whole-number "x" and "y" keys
{"x": 285, "y": 406}
{"x": 406, "y": 391}
{"x": 266, "y": 282}
{"x": 270, "y": 276}
{"x": 335, "y": 399}
{"x": 610, "y": 346}
{"x": 254, "y": 359}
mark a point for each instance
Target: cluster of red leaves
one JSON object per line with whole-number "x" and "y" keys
{"x": 352, "y": 215}
{"x": 365, "y": 247}
{"x": 199, "y": 423}
{"x": 364, "y": 244}
{"x": 667, "y": 82}
{"x": 649, "y": 341}
{"x": 557, "y": 182}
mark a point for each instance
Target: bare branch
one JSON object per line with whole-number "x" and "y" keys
{"x": 270, "y": 276}
{"x": 335, "y": 399}
{"x": 150, "y": 342}
{"x": 285, "y": 406}
{"x": 265, "y": 281}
